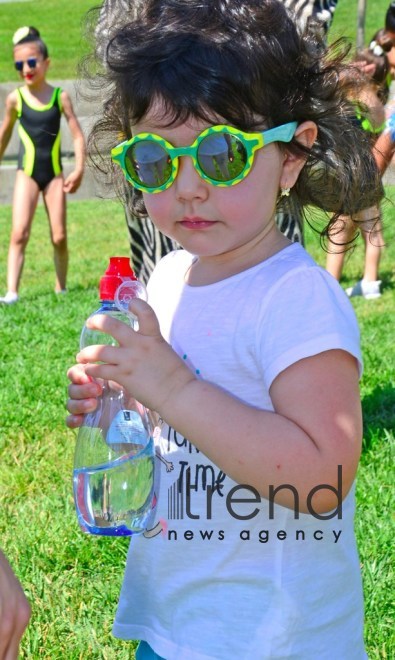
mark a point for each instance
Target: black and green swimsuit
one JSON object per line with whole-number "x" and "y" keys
{"x": 39, "y": 131}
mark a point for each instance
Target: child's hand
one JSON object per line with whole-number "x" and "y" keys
{"x": 14, "y": 611}
{"x": 367, "y": 68}
{"x": 73, "y": 181}
{"x": 83, "y": 393}
{"x": 143, "y": 364}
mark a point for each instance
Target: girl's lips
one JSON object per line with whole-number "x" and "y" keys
{"x": 196, "y": 223}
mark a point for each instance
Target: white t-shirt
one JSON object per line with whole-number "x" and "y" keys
{"x": 215, "y": 576}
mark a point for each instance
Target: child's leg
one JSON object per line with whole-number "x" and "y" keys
{"x": 26, "y": 193}
{"x": 374, "y": 242}
{"x": 371, "y": 230}
{"x": 342, "y": 232}
{"x": 55, "y": 203}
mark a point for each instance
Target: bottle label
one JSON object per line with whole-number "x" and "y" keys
{"x": 127, "y": 428}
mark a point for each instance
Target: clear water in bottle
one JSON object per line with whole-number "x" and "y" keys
{"x": 114, "y": 456}
{"x": 114, "y": 498}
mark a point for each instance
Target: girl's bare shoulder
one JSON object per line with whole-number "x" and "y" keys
{"x": 12, "y": 100}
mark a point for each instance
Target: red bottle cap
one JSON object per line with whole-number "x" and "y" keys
{"x": 118, "y": 271}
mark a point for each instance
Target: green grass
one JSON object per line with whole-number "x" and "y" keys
{"x": 59, "y": 22}
{"x": 60, "y": 25}
{"x": 73, "y": 580}
{"x": 375, "y": 485}
{"x": 345, "y": 18}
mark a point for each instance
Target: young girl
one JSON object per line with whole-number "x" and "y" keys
{"x": 38, "y": 106}
{"x": 248, "y": 351}
{"x": 368, "y": 92}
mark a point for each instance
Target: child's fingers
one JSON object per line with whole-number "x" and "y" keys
{"x": 148, "y": 322}
{"x": 14, "y": 611}
{"x": 106, "y": 372}
{"x": 74, "y": 421}
{"x": 119, "y": 330}
{"x": 79, "y": 404}
{"x": 72, "y": 183}
{"x": 87, "y": 391}
{"x": 77, "y": 375}
{"x": 97, "y": 353}
{"x": 67, "y": 185}
{"x": 83, "y": 392}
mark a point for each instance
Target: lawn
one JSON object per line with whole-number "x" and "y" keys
{"x": 345, "y": 21}
{"x": 60, "y": 23}
{"x": 73, "y": 580}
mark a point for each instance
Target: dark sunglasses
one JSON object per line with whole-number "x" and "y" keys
{"x": 31, "y": 62}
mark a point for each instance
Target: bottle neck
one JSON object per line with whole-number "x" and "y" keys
{"x": 111, "y": 308}
{"x": 108, "y": 304}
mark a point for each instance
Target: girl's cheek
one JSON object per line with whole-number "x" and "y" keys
{"x": 158, "y": 206}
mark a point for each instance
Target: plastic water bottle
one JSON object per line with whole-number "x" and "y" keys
{"x": 114, "y": 455}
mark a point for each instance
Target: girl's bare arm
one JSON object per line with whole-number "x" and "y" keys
{"x": 383, "y": 151}
{"x": 9, "y": 120}
{"x": 73, "y": 181}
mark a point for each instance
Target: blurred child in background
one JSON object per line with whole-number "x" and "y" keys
{"x": 369, "y": 96}
{"x": 38, "y": 106}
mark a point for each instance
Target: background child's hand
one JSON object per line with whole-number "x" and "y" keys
{"x": 143, "y": 363}
{"x": 73, "y": 181}
{"x": 14, "y": 611}
{"x": 367, "y": 68}
{"x": 83, "y": 393}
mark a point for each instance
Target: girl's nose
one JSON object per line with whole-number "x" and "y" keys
{"x": 189, "y": 184}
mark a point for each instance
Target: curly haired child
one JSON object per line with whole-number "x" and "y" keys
{"x": 248, "y": 351}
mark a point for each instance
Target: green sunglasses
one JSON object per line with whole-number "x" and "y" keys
{"x": 222, "y": 155}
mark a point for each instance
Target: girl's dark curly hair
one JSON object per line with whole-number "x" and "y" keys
{"x": 245, "y": 63}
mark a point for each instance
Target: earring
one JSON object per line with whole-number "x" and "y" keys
{"x": 285, "y": 192}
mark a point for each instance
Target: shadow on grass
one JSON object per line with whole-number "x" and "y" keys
{"x": 387, "y": 278}
{"x": 378, "y": 414}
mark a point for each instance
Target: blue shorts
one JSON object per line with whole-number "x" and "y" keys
{"x": 145, "y": 652}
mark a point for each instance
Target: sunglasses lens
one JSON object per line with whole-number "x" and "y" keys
{"x": 148, "y": 164}
{"x": 31, "y": 62}
{"x": 222, "y": 156}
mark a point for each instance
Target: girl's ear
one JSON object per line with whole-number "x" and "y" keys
{"x": 306, "y": 135}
